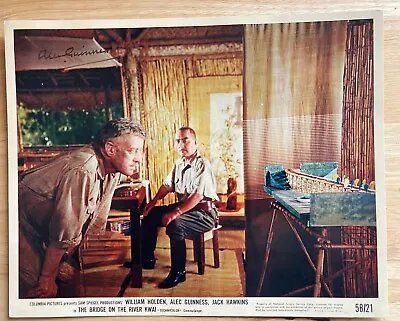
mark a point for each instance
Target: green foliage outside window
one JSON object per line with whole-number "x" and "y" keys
{"x": 62, "y": 127}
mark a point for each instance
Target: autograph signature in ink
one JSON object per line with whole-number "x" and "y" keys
{"x": 69, "y": 52}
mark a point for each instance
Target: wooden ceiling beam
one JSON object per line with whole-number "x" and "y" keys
{"x": 62, "y": 90}
{"x": 224, "y": 55}
{"x": 20, "y": 80}
{"x": 53, "y": 80}
{"x": 191, "y": 41}
{"x": 115, "y": 36}
{"x": 40, "y": 101}
{"x": 87, "y": 84}
{"x": 128, "y": 37}
{"x": 140, "y": 36}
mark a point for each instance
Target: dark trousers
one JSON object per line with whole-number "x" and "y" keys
{"x": 189, "y": 223}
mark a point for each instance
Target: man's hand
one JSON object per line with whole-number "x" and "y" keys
{"x": 161, "y": 193}
{"x": 46, "y": 288}
{"x": 168, "y": 217}
{"x": 148, "y": 207}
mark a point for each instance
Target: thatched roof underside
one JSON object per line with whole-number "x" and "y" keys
{"x": 71, "y": 90}
{"x": 89, "y": 88}
{"x": 74, "y": 100}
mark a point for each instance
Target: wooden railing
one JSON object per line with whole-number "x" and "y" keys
{"x": 359, "y": 267}
{"x": 313, "y": 184}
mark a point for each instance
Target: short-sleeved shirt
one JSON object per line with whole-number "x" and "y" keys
{"x": 193, "y": 175}
{"x": 58, "y": 197}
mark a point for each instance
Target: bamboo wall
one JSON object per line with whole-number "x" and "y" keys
{"x": 357, "y": 156}
{"x": 360, "y": 277}
{"x": 164, "y": 101}
{"x": 357, "y": 159}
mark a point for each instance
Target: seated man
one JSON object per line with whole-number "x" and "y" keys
{"x": 67, "y": 197}
{"x": 193, "y": 182}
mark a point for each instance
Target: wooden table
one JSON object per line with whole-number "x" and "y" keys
{"x": 134, "y": 203}
{"x": 297, "y": 214}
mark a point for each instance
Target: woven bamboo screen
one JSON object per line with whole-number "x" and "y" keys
{"x": 163, "y": 112}
{"x": 357, "y": 159}
{"x": 165, "y": 106}
{"x": 217, "y": 67}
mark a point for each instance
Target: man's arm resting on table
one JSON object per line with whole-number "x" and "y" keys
{"x": 161, "y": 193}
{"x": 47, "y": 287}
{"x": 185, "y": 206}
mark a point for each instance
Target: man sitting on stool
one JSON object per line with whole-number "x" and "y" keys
{"x": 193, "y": 182}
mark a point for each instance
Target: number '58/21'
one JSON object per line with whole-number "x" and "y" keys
{"x": 363, "y": 307}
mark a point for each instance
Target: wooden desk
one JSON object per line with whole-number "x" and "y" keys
{"x": 134, "y": 203}
{"x": 294, "y": 216}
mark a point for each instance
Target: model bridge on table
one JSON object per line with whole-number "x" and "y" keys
{"x": 314, "y": 198}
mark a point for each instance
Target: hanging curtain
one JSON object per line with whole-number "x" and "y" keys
{"x": 292, "y": 96}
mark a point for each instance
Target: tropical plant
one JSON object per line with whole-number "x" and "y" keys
{"x": 61, "y": 127}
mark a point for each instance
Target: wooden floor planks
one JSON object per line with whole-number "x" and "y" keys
{"x": 104, "y": 271}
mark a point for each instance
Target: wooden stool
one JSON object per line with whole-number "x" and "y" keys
{"x": 198, "y": 247}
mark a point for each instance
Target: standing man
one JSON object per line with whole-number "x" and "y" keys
{"x": 63, "y": 199}
{"x": 193, "y": 182}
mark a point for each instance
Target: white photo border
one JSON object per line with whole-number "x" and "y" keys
{"x": 254, "y": 307}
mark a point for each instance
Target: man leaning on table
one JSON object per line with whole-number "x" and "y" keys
{"x": 67, "y": 197}
{"x": 193, "y": 182}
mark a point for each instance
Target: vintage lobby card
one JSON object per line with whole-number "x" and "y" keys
{"x": 287, "y": 109}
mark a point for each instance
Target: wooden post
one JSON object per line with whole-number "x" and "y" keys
{"x": 130, "y": 85}
{"x": 320, "y": 267}
{"x": 19, "y": 133}
{"x": 266, "y": 255}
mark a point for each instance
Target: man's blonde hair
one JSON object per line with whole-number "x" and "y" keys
{"x": 117, "y": 127}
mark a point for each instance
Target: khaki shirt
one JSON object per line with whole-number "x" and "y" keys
{"x": 194, "y": 175}
{"x": 57, "y": 198}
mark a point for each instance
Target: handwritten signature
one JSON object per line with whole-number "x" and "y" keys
{"x": 69, "y": 52}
